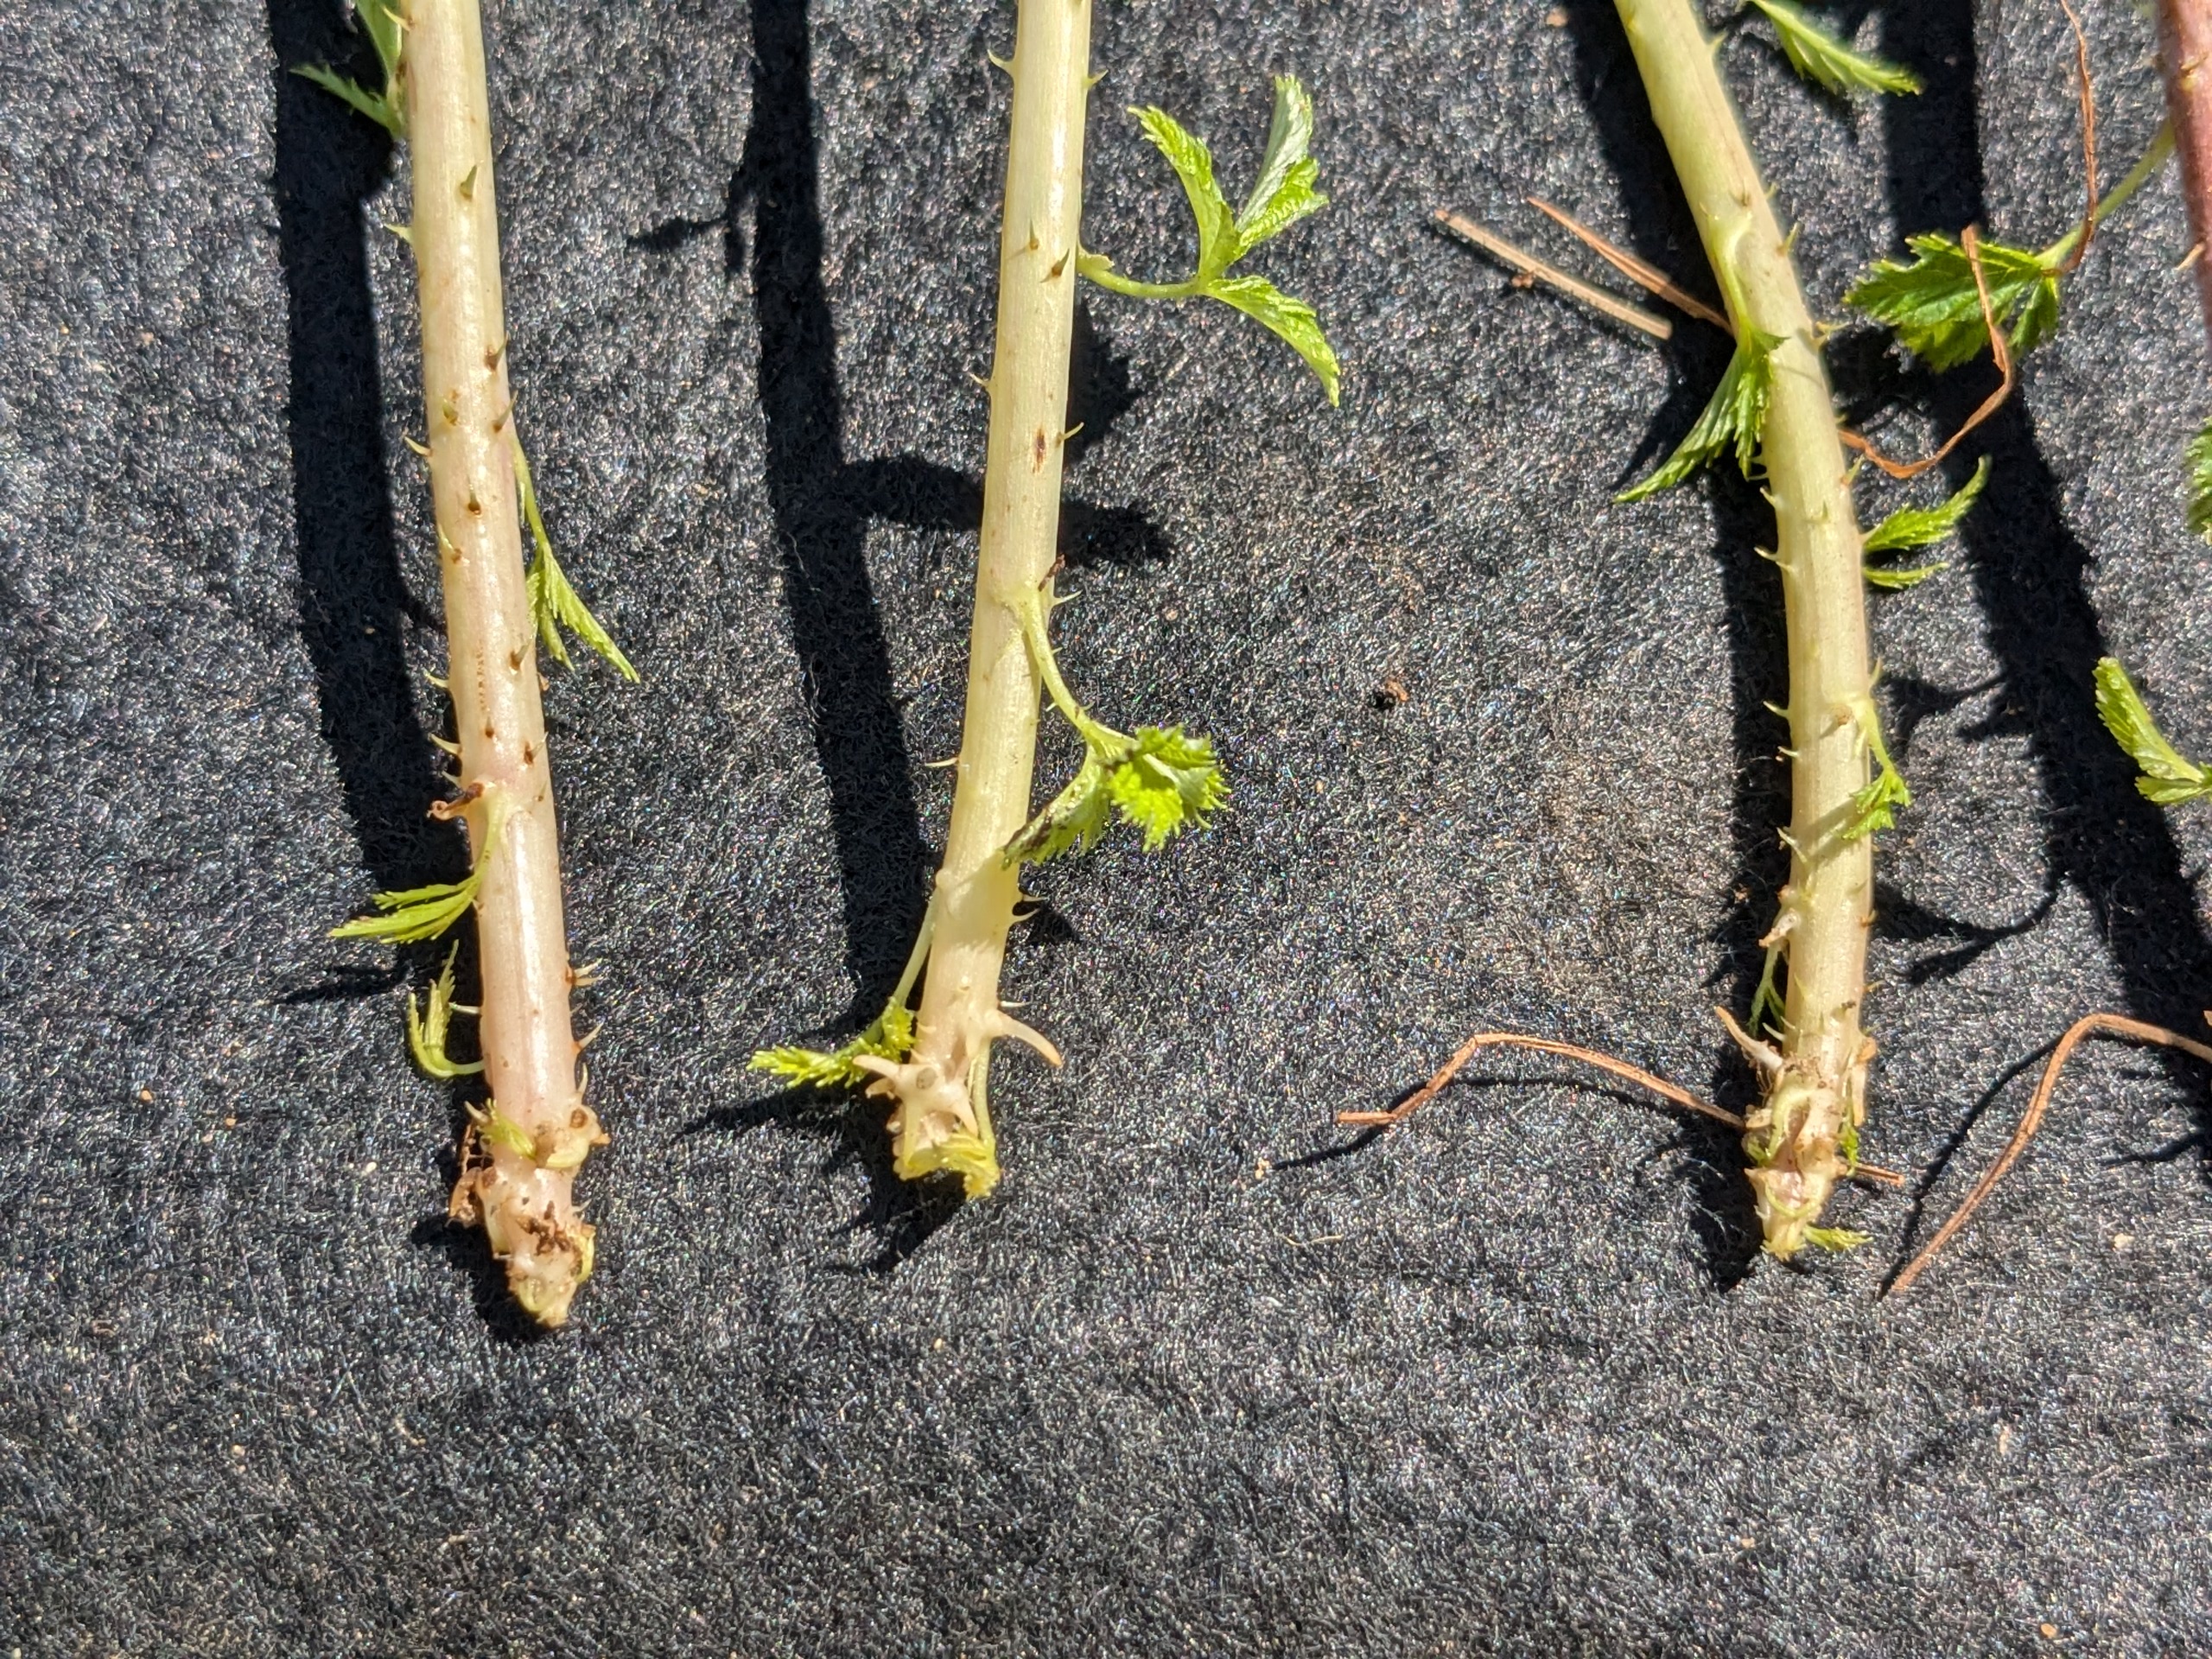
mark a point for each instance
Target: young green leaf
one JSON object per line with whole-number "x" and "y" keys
{"x": 422, "y": 914}
{"x": 1193, "y": 165}
{"x": 1935, "y": 310}
{"x": 1920, "y": 526}
{"x": 1736, "y": 414}
{"x": 1873, "y": 805}
{"x": 2200, "y": 482}
{"x": 1898, "y": 577}
{"x": 382, "y": 22}
{"x": 553, "y": 602}
{"x": 1291, "y": 320}
{"x": 426, "y": 1034}
{"x": 1819, "y": 56}
{"x": 1158, "y": 780}
{"x": 2168, "y": 778}
{"x": 890, "y": 1038}
{"x": 1835, "y": 1238}
{"x": 1282, "y": 195}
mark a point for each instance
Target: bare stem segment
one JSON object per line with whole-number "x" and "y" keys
{"x": 1816, "y": 1082}
{"x": 942, "y": 1120}
{"x": 2185, "y": 58}
{"x": 520, "y": 1162}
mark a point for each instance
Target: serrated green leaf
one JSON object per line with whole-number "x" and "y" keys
{"x": 426, "y": 1032}
{"x": 1072, "y": 821}
{"x": 377, "y": 109}
{"x": 1896, "y": 578}
{"x": 1193, "y": 165}
{"x": 1290, "y": 320}
{"x": 2167, "y": 777}
{"x": 1168, "y": 783}
{"x": 1290, "y": 134}
{"x": 1932, "y": 304}
{"x": 2200, "y": 482}
{"x": 1297, "y": 200}
{"x": 1872, "y": 807}
{"x": 1736, "y": 414}
{"x": 890, "y": 1038}
{"x": 501, "y": 1130}
{"x": 1819, "y": 56}
{"x": 1920, "y": 526}
{"x": 421, "y": 913}
{"x": 382, "y": 22}
{"x": 553, "y": 602}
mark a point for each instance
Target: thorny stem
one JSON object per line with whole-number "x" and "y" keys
{"x": 2031, "y": 1119}
{"x": 524, "y": 1197}
{"x": 2185, "y": 58}
{"x": 1816, "y": 1082}
{"x": 941, "y": 1121}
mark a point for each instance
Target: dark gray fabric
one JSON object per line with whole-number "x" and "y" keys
{"x": 1208, "y": 1376}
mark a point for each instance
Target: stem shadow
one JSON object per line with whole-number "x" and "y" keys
{"x": 1662, "y": 231}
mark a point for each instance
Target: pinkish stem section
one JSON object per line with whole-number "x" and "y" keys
{"x": 2185, "y": 58}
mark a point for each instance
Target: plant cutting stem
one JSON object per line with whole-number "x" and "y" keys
{"x": 942, "y": 1121}
{"x": 1815, "y": 1082}
{"x": 2185, "y": 58}
{"x": 519, "y": 1166}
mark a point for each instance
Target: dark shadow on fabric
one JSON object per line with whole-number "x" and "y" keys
{"x": 1662, "y": 231}
{"x": 355, "y": 606}
{"x": 2029, "y": 576}
{"x": 466, "y": 1252}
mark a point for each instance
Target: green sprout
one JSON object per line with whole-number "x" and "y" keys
{"x": 2167, "y": 776}
{"x": 1820, "y": 57}
{"x": 1912, "y": 527}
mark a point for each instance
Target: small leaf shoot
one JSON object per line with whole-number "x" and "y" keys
{"x": 2168, "y": 777}
{"x": 426, "y": 1032}
{"x": 1909, "y": 527}
{"x": 1158, "y": 779}
{"x": 1819, "y": 56}
{"x": 1282, "y": 195}
{"x": 553, "y": 603}
{"x": 1871, "y": 807}
{"x": 890, "y": 1037}
{"x": 419, "y": 913}
{"x": 383, "y": 23}
{"x": 1735, "y": 415}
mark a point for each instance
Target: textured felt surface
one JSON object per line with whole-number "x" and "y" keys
{"x": 1208, "y": 1376}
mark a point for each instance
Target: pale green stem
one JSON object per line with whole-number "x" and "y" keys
{"x": 1816, "y": 1083}
{"x": 525, "y": 1199}
{"x": 1190, "y": 288}
{"x": 2146, "y": 168}
{"x": 942, "y": 1121}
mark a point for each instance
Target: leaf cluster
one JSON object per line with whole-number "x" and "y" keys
{"x": 1734, "y": 417}
{"x": 2168, "y": 777}
{"x": 1282, "y": 195}
{"x": 426, "y": 1032}
{"x": 1934, "y": 308}
{"x": 380, "y": 20}
{"x": 553, "y": 603}
{"x": 420, "y": 913}
{"x": 1873, "y": 806}
{"x": 1161, "y": 780}
{"x": 1912, "y": 527}
{"x": 1820, "y": 57}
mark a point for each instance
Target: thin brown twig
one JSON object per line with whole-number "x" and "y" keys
{"x": 2031, "y": 1119}
{"x": 1999, "y": 350}
{"x": 1492, "y": 242}
{"x": 1634, "y": 270}
{"x": 2088, "y": 139}
{"x": 1637, "y": 1075}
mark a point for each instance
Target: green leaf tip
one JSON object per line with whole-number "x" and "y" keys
{"x": 2168, "y": 777}
{"x": 1911, "y": 527}
{"x": 426, "y": 1032}
{"x": 974, "y": 1160}
{"x": 1282, "y": 195}
{"x": 2200, "y": 482}
{"x": 420, "y": 913}
{"x": 1838, "y": 1239}
{"x": 1735, "y": 415}
{"x": 381, "y": 22}
{"x": 1873, "y": 806}
{"x": 1819, "y": 56}
{"x": 890, "y": 1038}
{"x": 553, "y": 602}
{"x": 1935, "y": 310}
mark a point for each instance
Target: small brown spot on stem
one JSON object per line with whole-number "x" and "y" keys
{"x": 450, "y": 409}
{"x": 1058, "y": 265}
{"x": 1037, "y": 451}
{"x": 529, "y": 752}
{"x": 514, "y": 659}
{"x": 475, "y": 507}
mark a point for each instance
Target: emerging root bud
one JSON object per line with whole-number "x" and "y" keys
{"x": 519, "y": 1186}
{"x": 940, "y": 1123}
